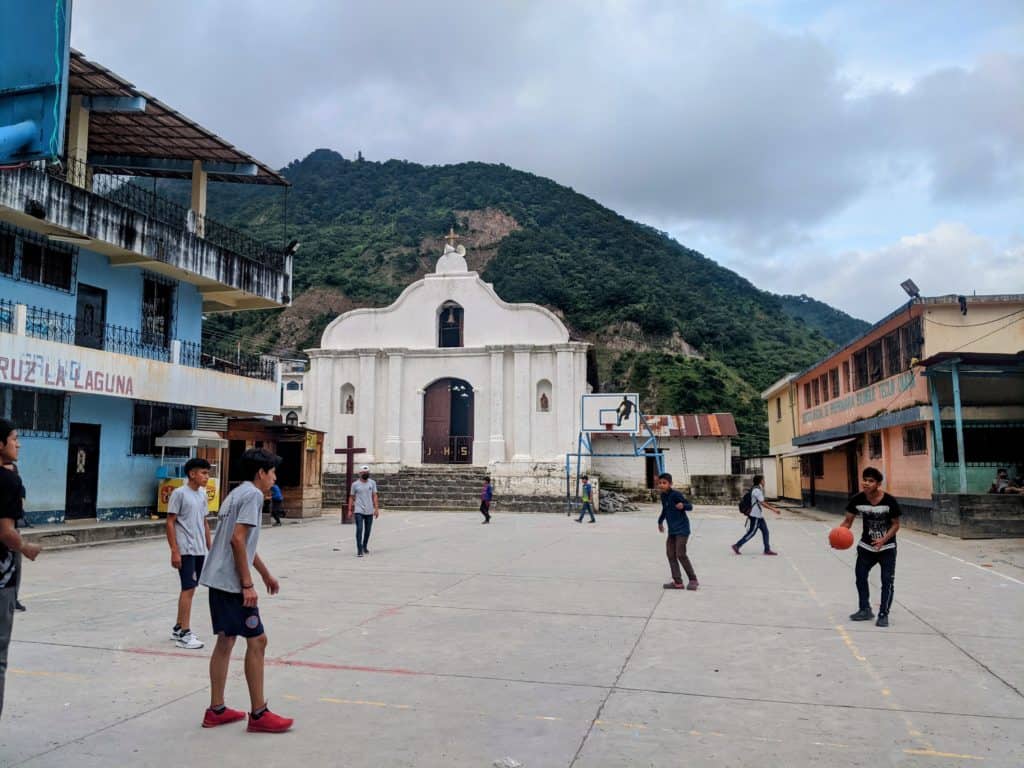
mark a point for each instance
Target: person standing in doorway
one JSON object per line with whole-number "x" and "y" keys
{"x": 276, "y": 503}
{"x": 364, "y": 503}
{"x": 755, "y": 518}
{"x": 674, "y": 507}
{"x": 11, "y": 543}
{"x": 877, "y": 546}
{"x": 188, "y": 534}
{"x": 233, "y": 597}
{"x": 587, "y": 498}
{"x": 486, "y": 496}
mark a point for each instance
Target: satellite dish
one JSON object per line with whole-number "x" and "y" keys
{"x": 460, "y": 249}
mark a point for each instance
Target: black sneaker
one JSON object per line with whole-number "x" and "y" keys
{"x": 883, "y": 620}
{"x": 862, "y": 615}
{"x": 18, "y": 606}
{"x": 360, "y": 553}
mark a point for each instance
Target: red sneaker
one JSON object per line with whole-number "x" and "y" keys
{"x": 673, "y": 585}
{"x": 770, "y": 552}
{"x": 735, "y": 549}
{"x": 212, "y": 719}
{"x": 693, "y": 585}
{"x": 268, "y": 722}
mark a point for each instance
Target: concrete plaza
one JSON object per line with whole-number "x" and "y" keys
{"x": 536, "y": 639}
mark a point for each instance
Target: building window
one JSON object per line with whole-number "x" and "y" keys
{"x": 816, "y": 388}
{"x": 824, "y": 388}
{"x": 813, "y": 463}
{"x": 860, "y": 369}
{"x": 914, "y": 440}
{"x": 875, "y": 445}
{"x": 47, "y": 265}
{"x": 807, "y": 395}
{"x": 449, "y": 325}
{"x": 157, "y": 312}
{"x": 7, "y": 241}
{"x": 876, "y": 370}
{"x": 293, "y": 386}
{"x": 292, "y": 419}
{"x": 891, "y": 349}
{"x": 778, "y": 409}
{"x": 833, "y": 380}
{"x": 846, "y": 376}
{"x": 153, "y": 420}
{"x": 910, "y": 341}
{"x": 34, "y": 413}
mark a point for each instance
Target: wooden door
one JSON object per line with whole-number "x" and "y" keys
{"x": 83, "y": 471}
{"x": 437, "y": 415}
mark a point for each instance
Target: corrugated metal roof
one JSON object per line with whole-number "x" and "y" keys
{"x": 690, "y": 425}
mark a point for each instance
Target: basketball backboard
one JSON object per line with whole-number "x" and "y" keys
{"x": 616, "y": 413}
{"x": 34, "y": 50}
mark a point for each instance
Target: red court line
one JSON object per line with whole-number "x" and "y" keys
{"x": 290, "y": 663}
{"x": 393, "y": 611}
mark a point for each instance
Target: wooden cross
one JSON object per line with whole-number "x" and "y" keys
{"x": 349, "y": 451}
{"x": 451, "y": 237}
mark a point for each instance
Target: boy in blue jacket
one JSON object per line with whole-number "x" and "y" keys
{"x": 674, "y": 507}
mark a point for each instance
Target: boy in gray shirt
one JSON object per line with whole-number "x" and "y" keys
{"x": 188, "y": 534}
{"x": 233, "y": 598}
{"x": 362, "y": 498}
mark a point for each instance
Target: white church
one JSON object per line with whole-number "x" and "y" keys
{"x": 450, "y": 374}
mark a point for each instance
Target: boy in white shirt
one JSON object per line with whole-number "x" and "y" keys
{"x": 755, "y": 519}
{"x": 188, "y": 533}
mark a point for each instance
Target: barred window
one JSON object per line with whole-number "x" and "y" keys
{"x": 860, "y": 369}
{"x": 914, "y": 440}
{"x": 47, "y": 265}
{"x": 833, "y": 378}
{"x": 875, "y": 445}
{"x": 34, "y": 412}
{"x": 778, "y": 409}
{"x": 846, "y": 376}
{"x": 893, "y": 361}
{"x": 7, "y": 242}
{"x": 876, "y": 369}
{"x": 807, "y": 395}
{"x": 816, "y": 387}
{"x": 812, "y": 463}
{"x": 153, "y": 420}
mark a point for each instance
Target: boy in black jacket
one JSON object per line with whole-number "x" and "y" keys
{"x": 674, "y": 507}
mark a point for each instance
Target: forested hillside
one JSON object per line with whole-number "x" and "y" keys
{"x": 664, "y": 319}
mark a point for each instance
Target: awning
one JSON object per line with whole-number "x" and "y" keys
{"x": 819, "y": 448}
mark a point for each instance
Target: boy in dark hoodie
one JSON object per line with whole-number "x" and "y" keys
{"x": 674, "y": 507}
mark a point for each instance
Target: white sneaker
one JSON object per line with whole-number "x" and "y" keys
{"x": 190, "y": 641}
{"x": 175, "y": 634}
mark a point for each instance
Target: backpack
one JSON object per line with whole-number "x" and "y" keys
{"x": 747, "y": 503}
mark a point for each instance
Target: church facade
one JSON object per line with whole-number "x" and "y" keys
{"x": 449, "y": 374}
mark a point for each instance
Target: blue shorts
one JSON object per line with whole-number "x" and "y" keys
{"x": 230, "y": 618}
{"x": 191, "y": 569}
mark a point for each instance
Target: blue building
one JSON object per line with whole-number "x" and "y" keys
{"x": 103, "y": 288}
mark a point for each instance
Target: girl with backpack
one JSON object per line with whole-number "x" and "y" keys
{"x": 754, "y": 505}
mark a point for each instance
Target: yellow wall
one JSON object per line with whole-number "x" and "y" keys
{"x": 945, "y": 329}
{"x": 781, "y": 431}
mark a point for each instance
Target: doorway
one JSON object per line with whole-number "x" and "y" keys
{"x": 90, "y": 316}
{"x": 83, "y": 471}
{"x": 448, "y": 422}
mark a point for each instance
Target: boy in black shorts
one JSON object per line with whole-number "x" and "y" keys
{"x": 233, "y": 598}
{"x": 188, "y": 534}
{"x": 877, "y": 545}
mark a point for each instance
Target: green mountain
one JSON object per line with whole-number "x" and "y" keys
{"x": 664, "y": 320}
{"x": 833, "y": 324}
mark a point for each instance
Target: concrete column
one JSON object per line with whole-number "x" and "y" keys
{"x": 198, "y": 204}
{"x": 366, "y": 403}
{"x": 522, "y": 401}
{"x": 78, "y": 143}
{"x": 959, "y": 416}
{"x": 563, "y": 397}
{"x": 20, "y": 326}
{"x": 497, "y": 385}
{"x": 393, "y": 437}
{"x": 938, "y": 450}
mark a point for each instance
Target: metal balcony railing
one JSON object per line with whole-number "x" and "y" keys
{"x": 66, "y": 329}
{"x": 128, "y": 192}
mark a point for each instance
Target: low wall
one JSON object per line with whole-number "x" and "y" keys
{"x": 966, "y": 516}
{"x": 719, "y": 489}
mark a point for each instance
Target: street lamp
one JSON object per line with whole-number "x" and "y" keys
{"x": 911, "y": 288}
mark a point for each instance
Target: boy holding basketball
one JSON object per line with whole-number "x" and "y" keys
{"x": 877, "y": 546}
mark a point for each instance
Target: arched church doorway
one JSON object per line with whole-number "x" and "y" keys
{"x": 448, "y": 422}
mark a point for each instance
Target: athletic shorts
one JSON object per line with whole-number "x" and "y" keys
{"x": 191, "y": 568}
{"x": 230, "y": 618}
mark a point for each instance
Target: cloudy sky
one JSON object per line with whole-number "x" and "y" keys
{"x": 831, "y": 149}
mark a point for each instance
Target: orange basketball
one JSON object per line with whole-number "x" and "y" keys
{"x": 840, "y": 538}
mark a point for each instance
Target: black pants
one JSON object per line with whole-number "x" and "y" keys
{"x": 866, "y": 560}
{"x": 363, "y": 525}
{"x": 755, "y": 524}
{"x": 275, "y": 510}
{"x": 485, "y": 510}
{"x": 585, "y": 509}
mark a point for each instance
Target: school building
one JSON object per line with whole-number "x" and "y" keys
{"x": 782, "y": 469}
{"x": 103, "y": 288}
{"x": 933, "y": 396}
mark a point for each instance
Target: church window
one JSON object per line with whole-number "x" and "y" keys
{"x": 348, "y": 399}
{"x": 292, "y": 386}
{"x": 292, "y": 418}
{"x": 449, "y": 325}
{"x": 543, "y": 396}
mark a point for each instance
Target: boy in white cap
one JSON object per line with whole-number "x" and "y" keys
{"x": 362, "y": 499}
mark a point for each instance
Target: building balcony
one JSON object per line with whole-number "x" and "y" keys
{"x": 115, "y": 216}
{"x": 43, "y": 349}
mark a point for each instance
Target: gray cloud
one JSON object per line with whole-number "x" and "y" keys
{"x": 683, "y": 113}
